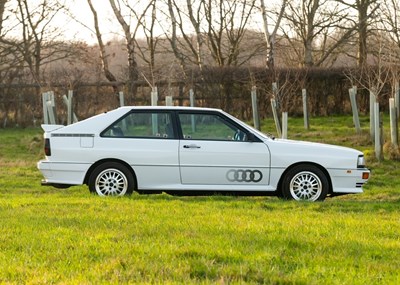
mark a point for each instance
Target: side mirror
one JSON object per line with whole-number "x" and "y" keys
{"x": 250, "y": 137}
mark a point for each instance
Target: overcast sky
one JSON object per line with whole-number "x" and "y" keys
{"x": 79, "y": 24}
{"x": 109, "y": 25}
{"x": 80, "y": 9}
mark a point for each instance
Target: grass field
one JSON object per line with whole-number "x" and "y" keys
{"x": 72, "y": 237}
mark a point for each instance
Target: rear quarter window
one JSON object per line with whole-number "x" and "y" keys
{"x": 142, "y": 125}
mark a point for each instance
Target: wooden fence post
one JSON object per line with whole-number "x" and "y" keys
{"x": 70, "y": 118}
{"x": 191, "y": 98}
{"x": 284, "y": 124}
{"x": 154, "y": 96}
{"x": 276, "y": 118}
{"x": 305, "y": 109}
{"x": 154, "y": 117}
{"x": 53, "y": 106}
{"x": 192, "y": 104}
{"x": 168, "y": 101}
{"x": 372, "y": 101}
{"x": 121, "y": 99}
{"x": 356, "y": 120}
{"x": 256, "y": 117}
{"x": 393, "y": 123}
{"x": 66, "y": 103}
{"x": 397, "y": 97}
{"x": 378, "y": 143}
{"x": 275, "y": 109}
{"x": 49, "y": 109}
{"x": 44, "y": 102}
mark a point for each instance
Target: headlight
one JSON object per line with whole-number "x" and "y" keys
{"x": 360, "y": 161}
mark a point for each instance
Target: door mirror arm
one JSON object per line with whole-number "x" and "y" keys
{"x": 250, "y": 137}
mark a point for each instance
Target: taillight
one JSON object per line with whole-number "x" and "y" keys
{"x": 47, "y": 149}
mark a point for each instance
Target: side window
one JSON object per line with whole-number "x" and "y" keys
{"x": 157, "y": 125}
{"x": 209, "y": 127}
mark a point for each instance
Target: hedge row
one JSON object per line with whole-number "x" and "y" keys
{"x": 226, "y": 88}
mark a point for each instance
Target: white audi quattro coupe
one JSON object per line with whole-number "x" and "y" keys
{"x": 193, "y": 151}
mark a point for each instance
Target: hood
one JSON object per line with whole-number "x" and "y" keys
{"x": 287, "y": 152}
{"x": 315, "y": 145}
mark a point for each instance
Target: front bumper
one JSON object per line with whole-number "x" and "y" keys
{"x": 349, "y": 180}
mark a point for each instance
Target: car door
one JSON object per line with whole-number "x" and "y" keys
{"x": 147, "y": 140}
{"x": 214, "y": 150}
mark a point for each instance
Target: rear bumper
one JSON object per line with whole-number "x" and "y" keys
{"x": 56, "y": 185}
{"x": 46, "y": 183}
{"x": 61, "y": 174}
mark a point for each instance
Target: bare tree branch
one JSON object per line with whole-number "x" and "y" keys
{"x": 270, "y": 38}
{"x": 103, "y": 54}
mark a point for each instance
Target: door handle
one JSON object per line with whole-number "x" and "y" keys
{"x": 191, "y": 146}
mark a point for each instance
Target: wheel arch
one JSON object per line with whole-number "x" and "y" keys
{"x": 323, "y": 169}
{"x": 97, "y": 163}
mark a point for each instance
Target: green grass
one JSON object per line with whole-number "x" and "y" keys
{"x": 72, "y": 237}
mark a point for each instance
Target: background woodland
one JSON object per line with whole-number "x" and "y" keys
{"x": 219, "y": 49}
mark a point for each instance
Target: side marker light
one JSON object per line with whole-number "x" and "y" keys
{"x": 365, "y": 175}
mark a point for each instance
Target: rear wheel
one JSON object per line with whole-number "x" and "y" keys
{"x": 111, "y": 179}
{"x": 305, "y": 182}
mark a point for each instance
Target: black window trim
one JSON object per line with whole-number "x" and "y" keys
{"x": 178, "y": 134}
{"x": 210, "y": 112}
{"x": 151, "y": 111}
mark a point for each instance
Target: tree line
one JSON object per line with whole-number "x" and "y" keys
{"x": 169, "y": 41}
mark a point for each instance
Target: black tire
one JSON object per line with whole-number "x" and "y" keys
{"x": 111, "y": 179}
{"x": 305, "y": 182}
{"x": 61, "y": 186}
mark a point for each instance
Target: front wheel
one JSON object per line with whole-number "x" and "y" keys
{"x": 305, "y": 182}
{"x": 111, "y": 179}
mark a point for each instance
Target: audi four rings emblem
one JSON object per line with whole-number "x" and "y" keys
{"x": 244, "y": 175}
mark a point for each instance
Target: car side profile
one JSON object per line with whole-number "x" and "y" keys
{"x": 193, "y": 151}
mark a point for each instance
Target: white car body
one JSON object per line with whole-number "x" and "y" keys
{"x": 179, "y": 163}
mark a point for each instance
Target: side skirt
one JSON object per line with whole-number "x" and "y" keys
{"x": 222, "y": 193}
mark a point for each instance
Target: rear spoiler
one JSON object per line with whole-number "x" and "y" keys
{"x": 50, "y": 128}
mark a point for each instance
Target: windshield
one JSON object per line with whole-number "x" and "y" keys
{"x": 254, "y": 130}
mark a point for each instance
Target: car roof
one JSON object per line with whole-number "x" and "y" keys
{"x": 98, "y": 122}
{"x": 168, "y": 108}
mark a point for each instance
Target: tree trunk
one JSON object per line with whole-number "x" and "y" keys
{"x": 2, "y": 8}
{"x": 103, "y": 54}
{"x": 362, "y": 32}
{"x": 130, "y": 45}
{"x": 270, "y": 38}
{"x": 310, "y": 11}
{"x": 308, "y": 53}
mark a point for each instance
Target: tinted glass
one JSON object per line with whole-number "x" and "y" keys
{"x": 156, "y": 125}
{"x": 209, "y": 127}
